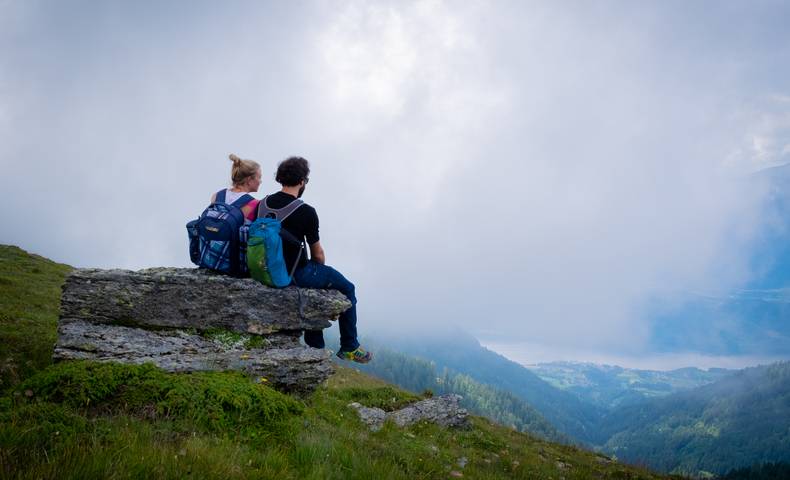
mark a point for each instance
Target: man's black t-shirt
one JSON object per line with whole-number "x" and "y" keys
{"x": 302, "y": 223}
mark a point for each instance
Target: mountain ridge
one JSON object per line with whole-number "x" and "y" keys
{"x": 611, "y": 385}
{"x": 736, "y": 421}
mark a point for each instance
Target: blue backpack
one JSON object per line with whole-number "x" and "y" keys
{"x": 265, "y": 245}
{"x": 217, "y": 238}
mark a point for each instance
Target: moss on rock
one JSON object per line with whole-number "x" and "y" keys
{"x": 230, "y": 339}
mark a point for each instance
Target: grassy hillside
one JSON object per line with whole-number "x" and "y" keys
{"x": 86, "y": 420}
{"x": 29, "y": 305}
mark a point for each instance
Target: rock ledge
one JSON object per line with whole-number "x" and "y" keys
{"x": 188, "y": 320}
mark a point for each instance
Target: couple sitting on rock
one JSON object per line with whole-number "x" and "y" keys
{"x": 293, "y": 174}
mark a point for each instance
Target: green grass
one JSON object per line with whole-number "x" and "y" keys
{"x": 85, "y": 420}
{"x": 211, "y": 401}
{"x": 29, "y": 306}
{"x": 88, "y": 420}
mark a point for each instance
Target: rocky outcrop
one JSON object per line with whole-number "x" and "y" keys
{"x": 443, "y": 410}
{"x": 187, "y": 320}
{"x": 194, "y": 298}
{"x": 279, "y": 360}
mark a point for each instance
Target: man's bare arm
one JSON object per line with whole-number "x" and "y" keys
{"x": 317, "y": 253}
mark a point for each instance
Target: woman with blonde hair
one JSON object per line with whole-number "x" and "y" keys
{"x": 246, "y": 178}
{"x": 217, "y": 240}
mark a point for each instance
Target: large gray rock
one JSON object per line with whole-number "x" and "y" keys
{"x": 373, "y": 417}
{"x": 442, "y": 410}
{"x": 193, "y": 298}
{"x": 190, "y": 320}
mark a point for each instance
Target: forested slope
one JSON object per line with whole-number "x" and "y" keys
{"x": 738, "y": 421}
{"x": 459, "y": 352}
{"x": 499, "y": 405}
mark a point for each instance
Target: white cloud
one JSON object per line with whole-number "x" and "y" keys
{"x": 534, "y": 169}
{"x": 401, "y": 81}
{"x": 766, "y": 127}
{"x": 368, "y": 56}
{"x": 378, "y": 59}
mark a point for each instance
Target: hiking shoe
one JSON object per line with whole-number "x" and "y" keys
{"x": 360, "y": 355}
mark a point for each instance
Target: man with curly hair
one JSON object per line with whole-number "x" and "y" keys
{"x": 293, "y": 174}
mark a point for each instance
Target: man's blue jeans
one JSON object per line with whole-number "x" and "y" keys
{"x": 316, "y": 275}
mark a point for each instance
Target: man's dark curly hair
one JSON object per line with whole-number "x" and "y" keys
{"x": 291, "y": 171}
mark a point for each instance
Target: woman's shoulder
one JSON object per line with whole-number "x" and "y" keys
{"x": 214, "y": 195}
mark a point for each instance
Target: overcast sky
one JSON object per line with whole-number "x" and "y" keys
{"x": 533, "y": 172}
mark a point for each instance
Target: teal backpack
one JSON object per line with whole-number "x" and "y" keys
{"x": 265, "y": 245}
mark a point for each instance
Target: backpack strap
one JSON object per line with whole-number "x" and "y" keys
{"x": 287, "y": 210}
{"x": 243, "y": 200}
{"x": 240, "y": 202}
{"x": 263, "y": 210}
{"x": 290, "y": 238}
{"x": 279, "y": 213}
{"x": 220, "y": 196}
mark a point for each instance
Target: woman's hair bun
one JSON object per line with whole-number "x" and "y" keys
{"x": 242, "y": 169}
